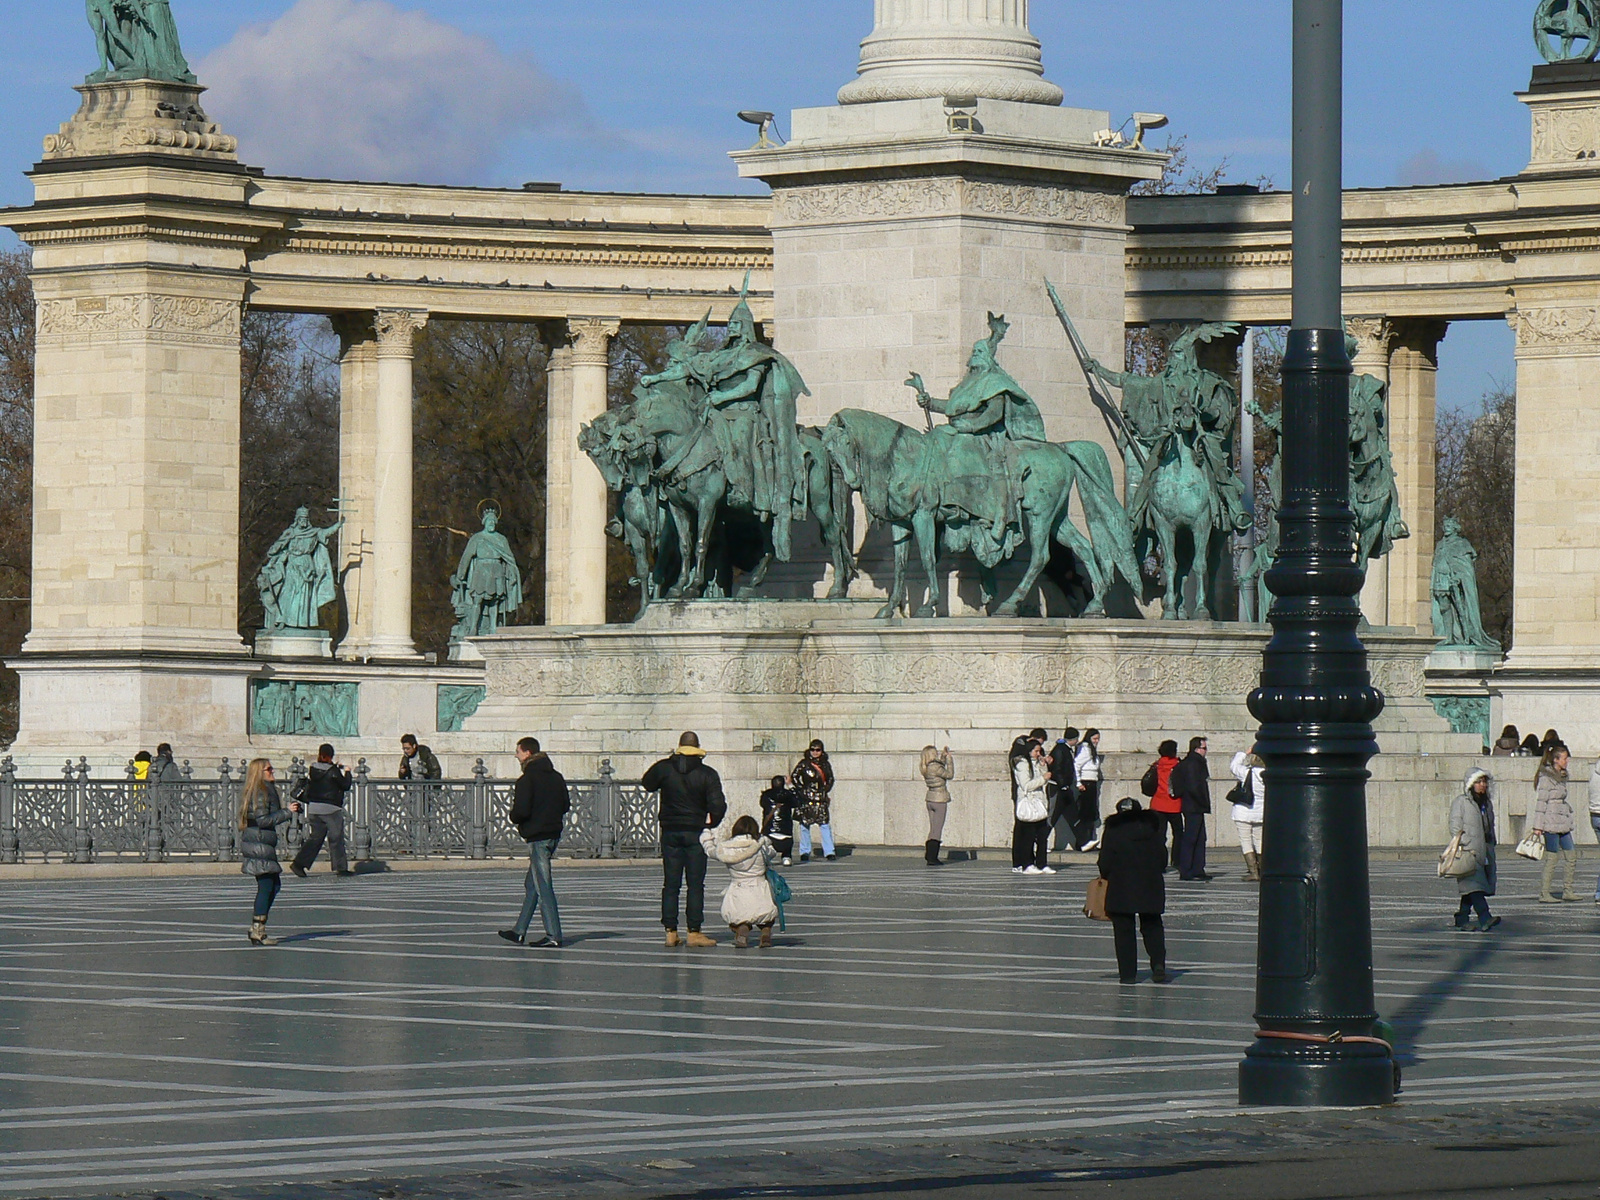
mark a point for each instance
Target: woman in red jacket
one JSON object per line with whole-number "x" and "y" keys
{"x": 1162, "y": 802}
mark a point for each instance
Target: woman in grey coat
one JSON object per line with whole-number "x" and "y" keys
{"x": 260, "y": 814}
{"x": 1472, "y": 816}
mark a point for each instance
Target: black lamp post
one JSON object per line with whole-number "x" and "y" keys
{"x": 1314, "y": 998}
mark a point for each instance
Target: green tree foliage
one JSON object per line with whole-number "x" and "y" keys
{"x": 1476, "y": 473}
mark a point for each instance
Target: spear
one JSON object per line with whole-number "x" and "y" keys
{"x": 1102, "y": 401}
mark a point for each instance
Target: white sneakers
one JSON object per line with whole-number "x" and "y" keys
{"x": 1032, "y": 870}
{"x": 1021, "y": 870}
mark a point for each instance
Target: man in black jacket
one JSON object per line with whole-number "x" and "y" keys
{"x": 323, "y": 790}
{"x": 539, "y": 811}
{"x": 1191, "y": 784}
{"x": 691, "y": 801}
{"x": 1064, "y": 787}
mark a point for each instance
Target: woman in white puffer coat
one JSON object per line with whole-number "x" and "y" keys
{"x": 748, "y": 901}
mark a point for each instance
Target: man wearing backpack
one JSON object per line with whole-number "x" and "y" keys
{"x": 539, "y": 812}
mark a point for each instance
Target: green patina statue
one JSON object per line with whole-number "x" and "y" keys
{"x": 1177, "y": 435}
{"x": 711, "y": 470}
{"x": 137, "y": 39}
{"x": 1457, "y": 616}
{"x": 1374, "y": 490}
{"x": 987, "y": 482}
{"x": 297, "y": 579}
{"x": 963, "y": 461}
{"x": 487, "y": 587}
{"x": 1567, "y": 30}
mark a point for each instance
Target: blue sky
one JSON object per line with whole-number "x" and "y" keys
{"x": 639, "y": 95}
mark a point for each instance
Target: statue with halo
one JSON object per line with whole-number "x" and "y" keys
{"x": 486, "y": 589}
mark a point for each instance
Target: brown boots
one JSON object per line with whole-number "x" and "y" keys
{"x": 696, "y": 939}
{"x": 741, "y": 936}
{"x": 258, "y": 933}
{"x": 1252, "y": 867}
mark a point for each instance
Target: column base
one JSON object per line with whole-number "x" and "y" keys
{"x": 391, "y": 650}
{"x": 465, "y": 652}
{"x": 1278, "y": 1073}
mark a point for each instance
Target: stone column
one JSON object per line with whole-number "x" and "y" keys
{"x": 358, "y": 455}
{"x": 930, "y": 49}
{"x": 392, "y": 520}
{"x": 1556, "y": 614}
{"x": 576, "y": 510}
{"x": 1374, "y": 337}
{"x": 1413, "y": 389}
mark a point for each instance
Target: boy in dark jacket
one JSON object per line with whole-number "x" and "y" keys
{"x": 1132, "y": 859}
{"x": 539, "y": 811}
{"x": 323, "y": 791}
{"x": 691, "y": 801}
{"x": 777, "y": 816}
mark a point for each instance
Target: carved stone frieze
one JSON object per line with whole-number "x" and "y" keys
{"x": 1557, "y": 327}
{"x": 1399, "y": 677}
{"x": 831, "y": 204}
{"x": 1565, "y": 135}
{"x": 173, "y": 317}
{"x": 777, "y": 673}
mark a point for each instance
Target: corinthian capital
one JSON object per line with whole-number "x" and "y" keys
{"x": 397, "y": 331}
{"x": 591, "y": 339}
{"x": 1374, "y": 337}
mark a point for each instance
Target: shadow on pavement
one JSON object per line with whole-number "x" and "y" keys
{"x": 1412, "y": 1019}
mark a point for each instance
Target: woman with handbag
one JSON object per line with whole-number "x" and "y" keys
{"x": 1472, "y": 822}
{"x": 1030, "y": 835}
{"x": 812, "y": 777}
{"x": 1132, "y": 861}
{"x": 1552, "y": 817}
{"x": 1249, "y": 800}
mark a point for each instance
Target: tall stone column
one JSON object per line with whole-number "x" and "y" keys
{"x": 922, "y": 49}
{"x": 1413, "y": 392}
{"x": 576, "y": 506}
{"x": 1374, "y": 338}
{"x": 358, "y": 457}
{"x": 392, "y": 520}
{"x": 1556, "y": 615}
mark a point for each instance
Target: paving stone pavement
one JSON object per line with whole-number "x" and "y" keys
{"x": 959, "y": 1030}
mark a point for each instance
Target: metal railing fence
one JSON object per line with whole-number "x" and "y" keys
{"x": 78, "y": 819}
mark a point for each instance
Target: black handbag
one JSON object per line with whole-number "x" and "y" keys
{"x": 1151, "y": 781}
{"x": 1244, "y": 792}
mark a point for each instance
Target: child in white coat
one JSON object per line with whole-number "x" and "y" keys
{"x": 748, "y": 902}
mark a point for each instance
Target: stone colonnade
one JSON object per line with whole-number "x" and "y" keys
{"x": 376, "y": 472}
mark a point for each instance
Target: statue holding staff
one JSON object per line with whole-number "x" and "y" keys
{"x": 297, "y": 579}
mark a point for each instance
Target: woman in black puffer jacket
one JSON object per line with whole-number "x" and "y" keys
{"x": 260, "y": 814}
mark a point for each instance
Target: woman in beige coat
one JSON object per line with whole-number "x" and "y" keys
{"x": 1552, "y": 817}
{"x": 748, "y": 901}
{"x": 938, "y": 769}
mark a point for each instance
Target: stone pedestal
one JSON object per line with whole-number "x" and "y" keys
{"x": 294, "y": 643}
{"x": 757, "y": 681}
{"x": 1564, "y": 99}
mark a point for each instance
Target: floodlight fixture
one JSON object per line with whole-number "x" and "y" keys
{"x": 764, "y": 122}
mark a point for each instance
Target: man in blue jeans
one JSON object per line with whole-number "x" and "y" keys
{"x": 539, "y": 812}
{"x": 691, "y": 802}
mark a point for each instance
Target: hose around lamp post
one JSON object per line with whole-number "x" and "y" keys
{"x": 1315, "y": 1007}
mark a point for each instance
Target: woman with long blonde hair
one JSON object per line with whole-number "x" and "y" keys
{"x": 937, "y": 770}
{"x": 260, "y": 813}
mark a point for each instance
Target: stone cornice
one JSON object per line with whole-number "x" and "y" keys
{"x": 527, "y": 251}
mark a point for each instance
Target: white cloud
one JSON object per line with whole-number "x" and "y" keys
{"x": 1425, "y": 168}
{"x": 360, "y": 89}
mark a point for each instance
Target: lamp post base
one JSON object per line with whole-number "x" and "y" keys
{"x": 1291, "y": 1074}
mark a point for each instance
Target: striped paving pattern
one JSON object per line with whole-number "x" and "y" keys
{"x": 143, "y": 1042}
